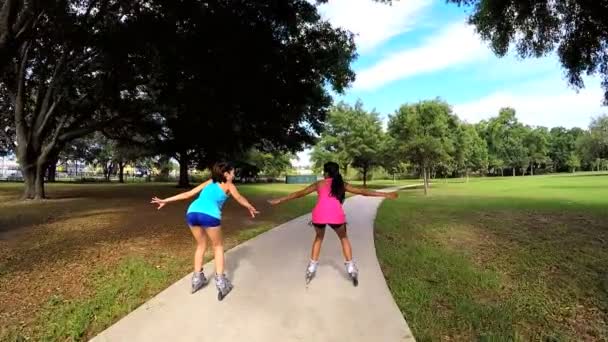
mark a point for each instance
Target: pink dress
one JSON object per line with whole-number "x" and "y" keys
{"x": 328, "y": 209}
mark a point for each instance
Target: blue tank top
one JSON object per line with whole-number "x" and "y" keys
{"x": 210, "y": 201}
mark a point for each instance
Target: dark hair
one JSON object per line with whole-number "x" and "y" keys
{"x": 338, "y": 189}
{"x": 218, "y": 170}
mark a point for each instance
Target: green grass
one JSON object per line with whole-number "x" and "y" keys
{"x": 115, "y": 290}
{"x": 500, "y": 259}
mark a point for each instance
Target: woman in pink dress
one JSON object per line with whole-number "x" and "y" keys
{"x": 328, "y": 211}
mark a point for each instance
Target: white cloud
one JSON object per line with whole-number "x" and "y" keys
{"x": 548, "y": 103}
{"x": 374, "y": 23}
{"x": 456, "y": 44}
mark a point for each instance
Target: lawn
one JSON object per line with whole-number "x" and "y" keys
{"x": 73, "y": 265}
{"x": 501, "y": 259}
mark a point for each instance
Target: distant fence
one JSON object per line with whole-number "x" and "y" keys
{"x": 300, "y": 179}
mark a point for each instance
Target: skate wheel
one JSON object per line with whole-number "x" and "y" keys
{"x": 356, "y": 281}
{"x": 220, "y": 296}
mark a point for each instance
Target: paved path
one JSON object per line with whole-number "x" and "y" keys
{"x": 270, "y": 301}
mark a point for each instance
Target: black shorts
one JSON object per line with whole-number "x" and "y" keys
{"x": 332, "y": 225}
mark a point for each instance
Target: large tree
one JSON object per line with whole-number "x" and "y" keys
{"x": 505, "y": 136}
{"x": 577, "y": 29}
{"x": 275, "y": 99}
{"x": 68, "y": 68}
{"x": 85, "y": 65}
{"x": 366, "y": 142}
{"x": 423, "y": 134}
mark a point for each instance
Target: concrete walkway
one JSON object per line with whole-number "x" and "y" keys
{"x": 270, "y": 300}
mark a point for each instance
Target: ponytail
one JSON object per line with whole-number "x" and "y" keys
{"x": 338, "y": 188}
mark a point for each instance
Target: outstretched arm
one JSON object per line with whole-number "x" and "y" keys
{"x": 366, "y": 192}
{"x": 242, "y": 200}
{"x": 179, "y": 197}
{"x": 301, "y": 193}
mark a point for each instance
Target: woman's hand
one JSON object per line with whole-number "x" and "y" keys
{"x": 275, "y": 201}
{"x": 392, "y": 195}
{"x": 252, "y": 211}
{"x": 160, "y": 202}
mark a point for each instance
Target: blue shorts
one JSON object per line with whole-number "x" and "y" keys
{"x": 202, "y": 220}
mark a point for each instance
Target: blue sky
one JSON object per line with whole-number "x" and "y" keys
{"x": 422, "y": 49}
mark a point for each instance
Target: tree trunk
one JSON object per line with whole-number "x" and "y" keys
{"x": 39, "y": 184}
{"x": 467, "y": 174}
{"x": 52, "y": 171}
{"x": 532, "y": 169}
{"x": 426, "y": 180}
{"x": 121, "y": 172}
{"x": 514, "y": 172}
{"x": 29, "y": 181}
{"x": 184, "y": 181}
{"x": 365, "y": 177}
{"x": 502, "y": 172}
{"x": 33, "y": 169}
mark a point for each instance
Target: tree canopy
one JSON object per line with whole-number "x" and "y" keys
{"x": 576, "y": 29}
{"x": 214, "y": 78}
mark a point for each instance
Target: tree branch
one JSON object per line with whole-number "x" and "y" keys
{"x": 49, "y": 147}
{"x": 43, "y": 115}
{"x": 80, "y": 132}
{"x": 20, "y": 123}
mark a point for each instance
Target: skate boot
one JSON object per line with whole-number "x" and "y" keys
{"x": 311, "y": 270}
{"x": 223, "y": 286}
{"x": 198, "y": 281}
{"x": 353, "y": 272}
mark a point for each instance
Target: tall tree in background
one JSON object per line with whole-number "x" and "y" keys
{"x": 470, "y": 150}
{"x": 577, "y": 29}
{"x": 562, "y": 146}
{"x": 352, "y": 136}
{"x": 334, "y": 143}
{"x": 423, "y": 134}
{"x": 271, "y": 164}
{"x": 536, "y": 141}
{"x": 592, "y": 146}
{"x": 366, "y": 142}
{"x": 506, "y": 139}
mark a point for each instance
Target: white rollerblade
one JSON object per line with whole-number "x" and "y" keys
{"x": 311, "y": 270}
{"x": 353, "y": 272}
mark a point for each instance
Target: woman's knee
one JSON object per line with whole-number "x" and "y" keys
{"x": 341, "y": 232}
{"x": 320, "y": 234}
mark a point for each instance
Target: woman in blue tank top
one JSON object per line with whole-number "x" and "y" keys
{"x": 204, "y": 218}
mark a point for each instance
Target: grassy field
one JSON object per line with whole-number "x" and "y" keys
{"x": 73, "y": 265}
{"x": 501, "y": 259}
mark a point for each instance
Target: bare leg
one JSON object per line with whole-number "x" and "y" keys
{"x": 316, "y": 245}
{"x": 201, "y": 246}
{"x": 215, "y": 235}
{"x": 346, "y": 247}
